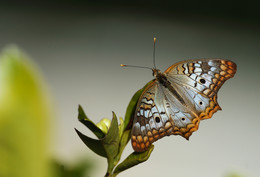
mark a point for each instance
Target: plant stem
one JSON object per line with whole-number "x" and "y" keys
{"x": 110, "y": 175}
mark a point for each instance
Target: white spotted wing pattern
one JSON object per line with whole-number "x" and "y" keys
{"x": 176, "y": 100}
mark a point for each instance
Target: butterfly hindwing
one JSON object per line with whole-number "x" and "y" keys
{"x": 159, "y": 114}
{"x": 151, "y": 122}
{"x": 184, "y": 117}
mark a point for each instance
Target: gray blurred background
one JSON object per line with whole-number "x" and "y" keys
{"x": 80, "y": 45}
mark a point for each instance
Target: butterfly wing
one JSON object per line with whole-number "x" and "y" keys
{"x": 150, "y": 121}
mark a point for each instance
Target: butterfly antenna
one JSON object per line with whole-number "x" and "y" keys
{"x": 133, "y": 66}
{"x": 154, "y": 41}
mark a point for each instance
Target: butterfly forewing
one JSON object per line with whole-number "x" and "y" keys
{"x": 176, "y": 101}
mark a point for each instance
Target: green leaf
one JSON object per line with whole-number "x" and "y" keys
{"x": 129, "y": 115}
{"x": 106, "y": 147}
{"x": 134, "y": 159}
{"x": 25, "y": 111}
{"x": 88, "y": 123}
{"x": 121, "y": 127}
{"x": 95, "y": 145}
{"x": 124, "y": 140}
{"x": 111, "y": 143}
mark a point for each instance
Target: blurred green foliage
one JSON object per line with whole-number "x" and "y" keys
{"x": 25, "y": 113}
{"x": 24, "y": 117}
{"x": 80, "y": 169}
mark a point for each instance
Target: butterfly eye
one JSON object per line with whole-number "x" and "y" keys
{"x": 202, "y": 81}
{"x": 183, "y": 118}
{"x": 157, "y": 119}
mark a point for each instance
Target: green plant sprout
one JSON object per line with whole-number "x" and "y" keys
{"x": 113, "y": 137}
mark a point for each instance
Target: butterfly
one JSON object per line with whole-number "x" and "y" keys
{"x": 177, "y": 100}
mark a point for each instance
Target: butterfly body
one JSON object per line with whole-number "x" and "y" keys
{"x": 177, "y": 99}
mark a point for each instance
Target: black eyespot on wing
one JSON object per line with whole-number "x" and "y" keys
{"x": 202, "y": 81}
{"x": 200, "y": 102}
{"x": 157, "y": 119}
{"x": 183, "y": 118}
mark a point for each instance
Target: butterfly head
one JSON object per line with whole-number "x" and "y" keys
{"x": 156, "y": 72}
